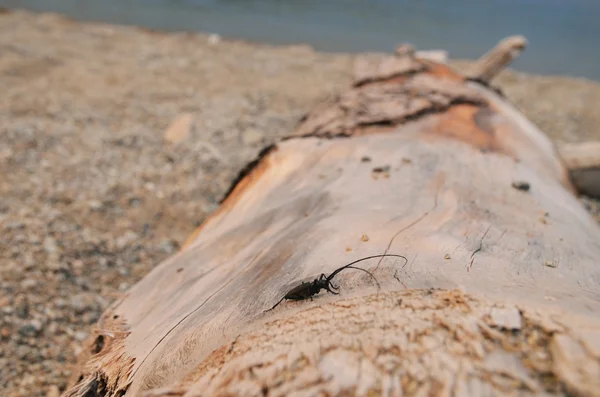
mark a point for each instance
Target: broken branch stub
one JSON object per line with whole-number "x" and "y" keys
{"x": 497, "y": 59}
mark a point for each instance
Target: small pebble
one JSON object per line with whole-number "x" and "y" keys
{"x": 95, "y": 205}
{"x": 23, "y": 351}
{"x": 53, "y": 328}
{"x": 50, "y": 245}
{"x": 5, "y": 332}
{"x": 364, "y": 238}
{"x": 32, "y": 328}
{"x": 81, "y": 336}
{"x": 551, "y": 264}
{"x": 28, "y": 283}
{"x": 8, "y": 310}
{"x": 60, "y": 303}
{"x": 77, "y": 264}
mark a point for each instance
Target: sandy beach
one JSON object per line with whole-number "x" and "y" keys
{"x": 92, "y": 196}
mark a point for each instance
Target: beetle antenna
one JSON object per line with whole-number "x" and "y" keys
{"x": 364, "y": 259}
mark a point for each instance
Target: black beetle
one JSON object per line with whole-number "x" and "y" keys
{"x": 306, "y": 290}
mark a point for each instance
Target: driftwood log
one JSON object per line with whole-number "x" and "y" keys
{"x": 500, "y": 294}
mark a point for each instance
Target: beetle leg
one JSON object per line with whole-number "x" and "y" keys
{"x": 330, "y": 290}
{"x": 277, "y": 304}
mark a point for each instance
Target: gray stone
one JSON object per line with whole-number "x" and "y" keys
{"x": 32, "y": 328}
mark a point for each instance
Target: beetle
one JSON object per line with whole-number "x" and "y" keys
{"x": 307, "y": 290}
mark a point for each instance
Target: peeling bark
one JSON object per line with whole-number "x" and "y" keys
{"x": 105, "y": 366}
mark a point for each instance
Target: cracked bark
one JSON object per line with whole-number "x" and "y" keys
{"x": 506, "y": 323}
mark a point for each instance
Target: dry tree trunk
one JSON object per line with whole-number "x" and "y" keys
{"x": 500, "y": 294}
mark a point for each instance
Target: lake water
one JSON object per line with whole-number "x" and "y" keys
{"x": 563, "y": 35}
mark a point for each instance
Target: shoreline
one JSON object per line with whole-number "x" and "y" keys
{"x": 567, "y": 34}
{"x": 93, "y": 197}
{"x": 458, "y": 62}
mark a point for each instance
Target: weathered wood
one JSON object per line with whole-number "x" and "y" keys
{"x": 583, "y": 162}
{"x": 438, "y": 56}
{"x": 374, "y": 67}
{"x": 498, "y": 58}
{"x": 580, "y": 155}
{"x": 501, "y": 293}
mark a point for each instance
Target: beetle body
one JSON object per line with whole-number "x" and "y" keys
{"x": 302, "y": 291}
{"x": 308, "y": 289}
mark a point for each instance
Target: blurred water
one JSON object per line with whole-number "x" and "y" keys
{"x": 564, "y": 35}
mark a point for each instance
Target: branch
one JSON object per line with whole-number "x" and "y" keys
{"x": 493, "y": 62}
{"x": 583, "y": 162}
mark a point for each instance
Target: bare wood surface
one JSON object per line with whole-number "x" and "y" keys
{"x": 498, "y": 58}
{"x": 500, "y": 295}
